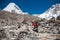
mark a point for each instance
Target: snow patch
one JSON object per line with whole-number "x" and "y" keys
{"x": 53, "y": 11}
{"x": 12, "y": 7}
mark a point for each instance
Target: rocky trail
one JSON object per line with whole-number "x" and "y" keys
{"x": 19, "y": 27}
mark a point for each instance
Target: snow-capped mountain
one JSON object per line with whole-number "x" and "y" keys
{"x": 54, "y": 11}
{"x": 12, "y": 7}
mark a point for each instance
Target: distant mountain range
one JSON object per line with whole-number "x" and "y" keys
{"x": 53, "y": 11}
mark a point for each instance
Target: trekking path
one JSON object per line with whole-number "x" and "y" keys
{"x": 41, "y": 36}
{"x": 31, "y": 34}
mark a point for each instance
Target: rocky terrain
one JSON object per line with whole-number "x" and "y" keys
{"x": 19, "y": 27}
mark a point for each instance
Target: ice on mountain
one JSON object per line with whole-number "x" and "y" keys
{"x": 13, "y": 8}
{"x": 53, "y": 11}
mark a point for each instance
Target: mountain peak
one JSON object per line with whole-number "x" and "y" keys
{"x": 53, "y": 11}
{"x": 12, "y": 7}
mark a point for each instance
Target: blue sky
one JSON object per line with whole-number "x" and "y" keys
{"x": 30, "y": 6}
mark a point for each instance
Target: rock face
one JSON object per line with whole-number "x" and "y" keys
{"x": 19, "y": 27}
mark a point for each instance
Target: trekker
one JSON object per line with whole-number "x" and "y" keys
{"x": 35, "y": 26}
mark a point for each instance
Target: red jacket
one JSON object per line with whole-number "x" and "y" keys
{"x": 35, "y": 24}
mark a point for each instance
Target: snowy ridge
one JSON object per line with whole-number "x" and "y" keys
{"x": 51, "y": 12}
{"x": 12, "y": 7}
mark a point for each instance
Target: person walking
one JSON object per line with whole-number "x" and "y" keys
{"x": 35, "y": 26}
